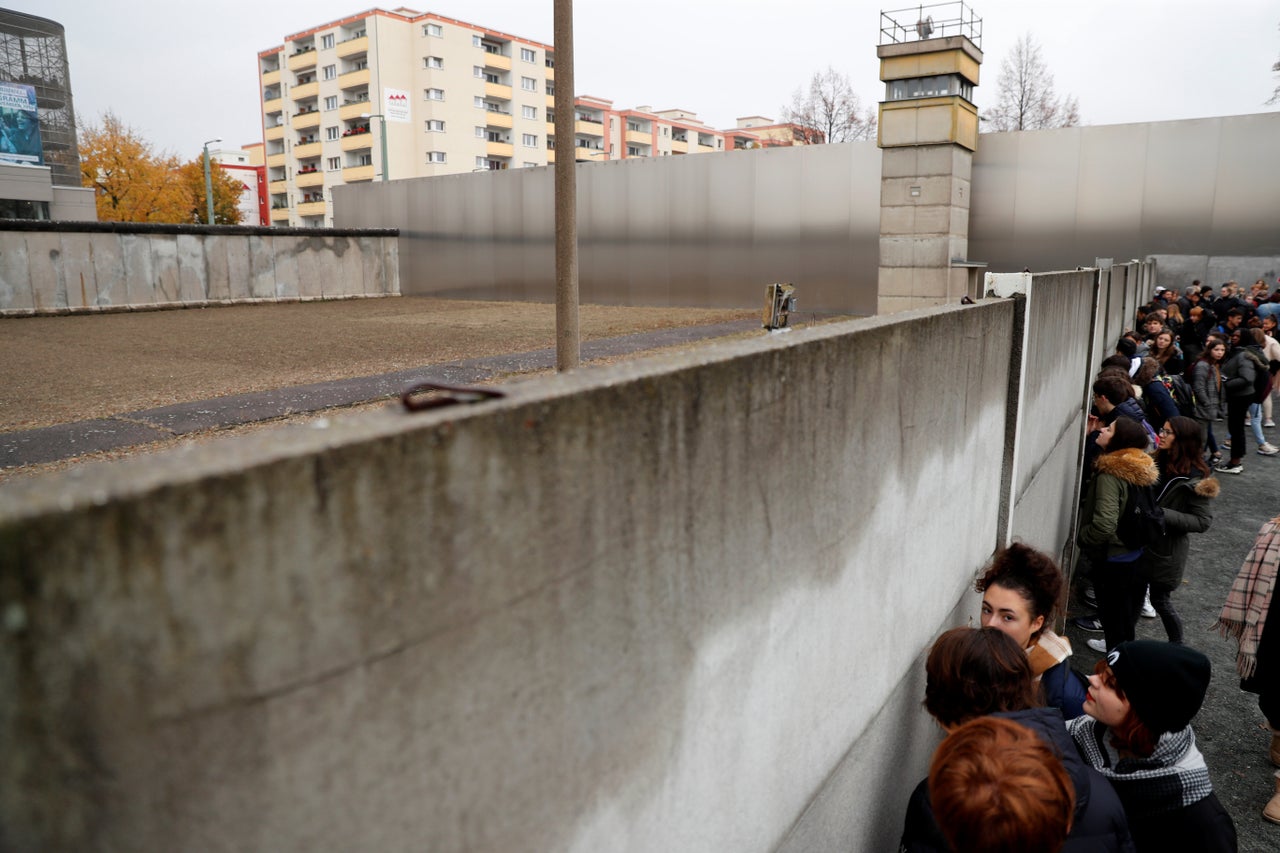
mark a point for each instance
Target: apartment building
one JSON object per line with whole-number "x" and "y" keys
{"x": 397, "y": 94}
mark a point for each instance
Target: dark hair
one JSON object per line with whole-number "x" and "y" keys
{"x": 1127, "y": 433}
{"x": 1146, "y": 371}
{"x": 1119, "y": 361}
{"x": 1235, "y": 312}
{"x": 1131, "y": 734}
{"x": 1184, "y": 455}
{"x": 996, "y": 787}
{"x": 1259, "y": 336}
{"x": 1126, "y": 347}
{"x": 1113, "y": 389}
{"x": 971, "y": 672}
{"x": 1031, "y": 574}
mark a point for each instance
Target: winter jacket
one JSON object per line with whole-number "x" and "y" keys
{"x": 1158, "y": 403}
{"x": 1099, "y": 823}
{"x": 1206, "y": 384}
{"x": 1108, "y": 491}
{"x": 1186, "y": 510}
{"x": 1240, "y": 371}
{"x": 1063, "y": 689}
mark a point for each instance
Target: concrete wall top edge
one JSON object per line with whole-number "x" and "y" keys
{"x": 100, "y": 483}
{"x": 65, "y": 226}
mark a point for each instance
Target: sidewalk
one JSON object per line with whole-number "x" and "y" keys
{"x": 144, "y": 426}
{"x": 1228, "y": 727}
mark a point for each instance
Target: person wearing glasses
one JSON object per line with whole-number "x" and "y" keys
{"x": 1185, "y": 491}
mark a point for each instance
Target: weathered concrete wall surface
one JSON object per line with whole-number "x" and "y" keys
{"x": 61, "y": 267}
{"x": 674, "y": 604}
{"x": 1178, "y": 271}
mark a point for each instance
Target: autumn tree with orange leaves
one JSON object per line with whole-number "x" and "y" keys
{"x": 135, "y": 183}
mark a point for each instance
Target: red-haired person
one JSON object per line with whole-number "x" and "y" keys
{"x": 1022, "y": 594}
{"x": 980, "y": 672}
{"x": 1137, "y": 733}
{"x": 997, "y": 787}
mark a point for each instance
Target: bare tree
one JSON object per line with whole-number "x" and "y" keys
{"x": 830, "y": 111}
{"x": 1026, "y": 97}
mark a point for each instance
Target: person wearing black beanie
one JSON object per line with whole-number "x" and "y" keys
{"x": 1137, "y": 733}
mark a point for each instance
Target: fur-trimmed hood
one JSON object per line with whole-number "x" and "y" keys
{"x": 1132, "y": 465}
{"x": 1209, "y": 487}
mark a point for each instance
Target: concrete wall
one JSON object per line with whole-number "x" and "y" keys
{"x": 1178, "y": 271}
{"x": 674, "y": 604}
{"x": 60, "y": 267}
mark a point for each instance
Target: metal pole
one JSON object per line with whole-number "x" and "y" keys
{"x": 386, "y": 168}
{"x": 567, "y": 342}
{"x": 208, "y": 184}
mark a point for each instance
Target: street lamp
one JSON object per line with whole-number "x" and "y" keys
{"x": 382, "y": 120}
{"x": 208, "y": 179}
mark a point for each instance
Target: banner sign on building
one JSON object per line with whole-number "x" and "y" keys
{"x": 396, "y": 105}
{"x": 19, "y": 125}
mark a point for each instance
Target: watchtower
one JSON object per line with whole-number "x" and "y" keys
{"x": 928, "y": 131}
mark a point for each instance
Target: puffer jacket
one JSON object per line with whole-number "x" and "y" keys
{"x": 1099, "y": 823}
{"x": 1240, "y": 371}
{"x": 1206, "y": 383}
{"x": 1108, "y": 491}
{"x": 1186, "y": 510}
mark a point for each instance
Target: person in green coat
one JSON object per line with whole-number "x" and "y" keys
{"x": 1120, "y": 589}
{"x": 1185, "y": 491}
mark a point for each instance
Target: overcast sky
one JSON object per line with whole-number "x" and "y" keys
{"x": 180, "y": 73}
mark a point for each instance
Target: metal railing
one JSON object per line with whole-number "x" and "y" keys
{"x": 936, "y": 20}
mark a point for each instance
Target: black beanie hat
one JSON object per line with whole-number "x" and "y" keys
{"x": 1165, "y": 683}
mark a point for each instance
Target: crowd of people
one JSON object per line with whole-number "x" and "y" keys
{"x": 1038, "y": 756}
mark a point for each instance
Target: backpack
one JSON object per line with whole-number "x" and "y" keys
{"x": 1180, "y": 390}
{"x": 1141, "y": 519}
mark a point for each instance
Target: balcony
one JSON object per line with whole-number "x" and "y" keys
{"x": 311, "y": 208}
{"x": 497, "y": 90}
{"x": 497, "y": 60}
{"x": 273, "y": 133}
{"x": 353, "y": 47}
{"x": 309, "y": 179}
{"x": 639, "y": 137}
{"x": 299, "y": 61}
{"x": 273, "y": 106}
{"x": 275, "y": 160}
{"x": 280, "y": 214}
{"x": 270, "y": 78}
{"x": 551, "y": 103}
{"x": 588, "y": 155}
{"x": 551, "y": 73}
{"x": 357, "y": 142}
{"x": 355, "y": 109}
{"x": 499, "y": 149}
{"x": 307, "y": 151}
{"x": 679, "y": 146}
{"x": 589, "y": 128}
{"x": 303, "y": 121}
{"x": 354, "y": 79}
{"x": 278, "y": 187}
{"x": 305, "y": 91}
{"x": 551, "y": 155}
{"x": 493, "y": 118}
{"x": 353, "y": 174}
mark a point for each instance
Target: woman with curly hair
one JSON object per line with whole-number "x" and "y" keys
{"x": 1137, "y": 733}
{"x": 1022, "y": 596}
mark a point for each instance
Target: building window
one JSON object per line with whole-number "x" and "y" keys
{"x": 529, "y": 112}
{"x": 477, "y": 41}
{"x": 436, "y": 157}
{"x": 633, "y": 151}
{"x": 529, "y": 165}
{"x": 364, "y": 160}
{"x": 482, "y": 162}
{"x": 528, "y": 84}
{"x": 666, "y": 131}
{"x": 433, "y": 62}
{"x": 479, "y": 133}
{"x": 528, "y": 55}
{"x": 335, "y": 163}
{"x": 551, "y": 88}
{"x": 479, "y": 102}
{"x": 326, "y": 41}
{"x": 434, "y": 94}
{"x": 477, "y": 71}
{"x": 331, "y": 132}
{"x": 530, "y": 140}
{"x": 331, "y": 102}
{"x": 435, "y": 126}
{"x": 329, "y": 72}
{"x": 432, "y": 30}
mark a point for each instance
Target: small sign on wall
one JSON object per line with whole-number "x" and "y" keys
{"x": 395, "y": 105}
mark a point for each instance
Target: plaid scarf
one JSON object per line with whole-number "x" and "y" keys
{"x": 1048, "y": 651}
{"x": 1172, "y": 777}
{"x": 1245, "y": 613}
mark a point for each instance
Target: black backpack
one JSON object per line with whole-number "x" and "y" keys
{"x": 1180, "y": 390}
{"x": 1142, "y": 519}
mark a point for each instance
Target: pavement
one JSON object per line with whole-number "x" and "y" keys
{"x": 1230, "y": 730}
{"x": 145, "y": 426}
